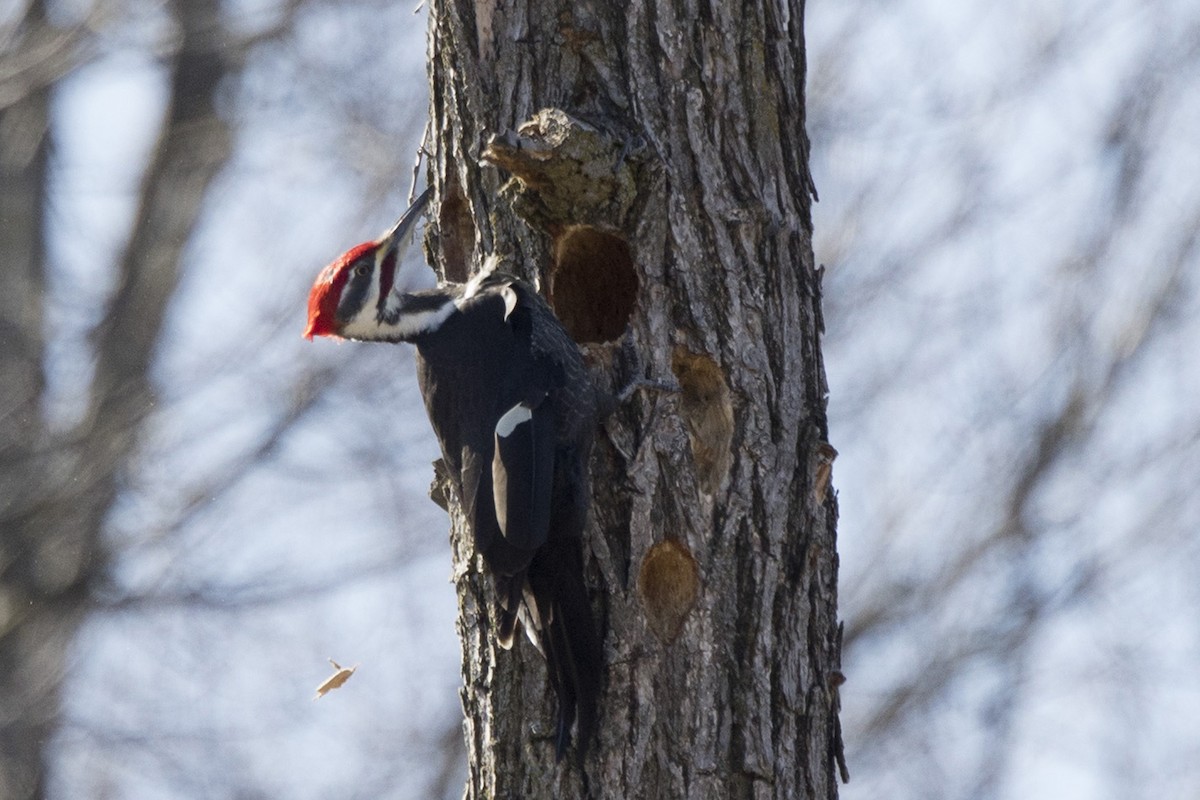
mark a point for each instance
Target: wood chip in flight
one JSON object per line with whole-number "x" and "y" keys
{"x": 340, "y": 676}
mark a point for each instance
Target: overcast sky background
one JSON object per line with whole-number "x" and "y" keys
{"x": 1005, "y": 191}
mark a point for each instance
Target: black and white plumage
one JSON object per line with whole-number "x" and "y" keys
{"x": 513, "y": 408}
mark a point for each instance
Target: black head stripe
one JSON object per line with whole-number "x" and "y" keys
{"x": 387, "y": 279}
{"x": 354, "y": 296}
{"x": 423, "y": 301}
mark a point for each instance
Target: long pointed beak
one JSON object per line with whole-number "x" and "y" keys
{"x": 403, "y": 227}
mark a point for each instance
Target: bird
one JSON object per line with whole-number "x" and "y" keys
{"x": 509, "y": 398}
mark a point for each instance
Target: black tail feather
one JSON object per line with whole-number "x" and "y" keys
{"x": 569, "y": 642}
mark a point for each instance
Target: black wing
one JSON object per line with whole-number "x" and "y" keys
{"x": 523, "y": 473}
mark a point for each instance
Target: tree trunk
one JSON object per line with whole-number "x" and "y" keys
{"x": 647, "y": 162}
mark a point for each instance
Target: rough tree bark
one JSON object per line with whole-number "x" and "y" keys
{"x": 57, "y": 489}
{"x": 647, "y": 162}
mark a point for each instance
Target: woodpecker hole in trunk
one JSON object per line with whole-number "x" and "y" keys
{"x": 593, "y": 286}
{"x": 668, "y": 583}
{"x": 708, "y": 412}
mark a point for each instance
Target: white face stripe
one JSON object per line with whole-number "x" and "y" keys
{"x": 366, "y": 327}
{"x": 423, "y": 321}
{"x": 517, "y": 415}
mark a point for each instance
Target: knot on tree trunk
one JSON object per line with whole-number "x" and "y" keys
{"x": 567, "y": 172}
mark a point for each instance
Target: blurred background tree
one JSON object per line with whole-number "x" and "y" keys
{"x": 197, "y": 508}
{"x": 191, "y": 502}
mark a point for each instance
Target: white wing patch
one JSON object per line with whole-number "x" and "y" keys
{"x": 510, "y": 300}
{"x": 517, "y": 415}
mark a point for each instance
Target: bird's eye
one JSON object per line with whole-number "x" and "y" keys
{"x": 361, "y": 269}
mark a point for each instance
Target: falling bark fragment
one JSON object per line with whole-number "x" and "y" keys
{"x": 335, "y": 680}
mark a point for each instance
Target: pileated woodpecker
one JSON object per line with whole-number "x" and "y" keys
{"x": 511, "y": 403}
